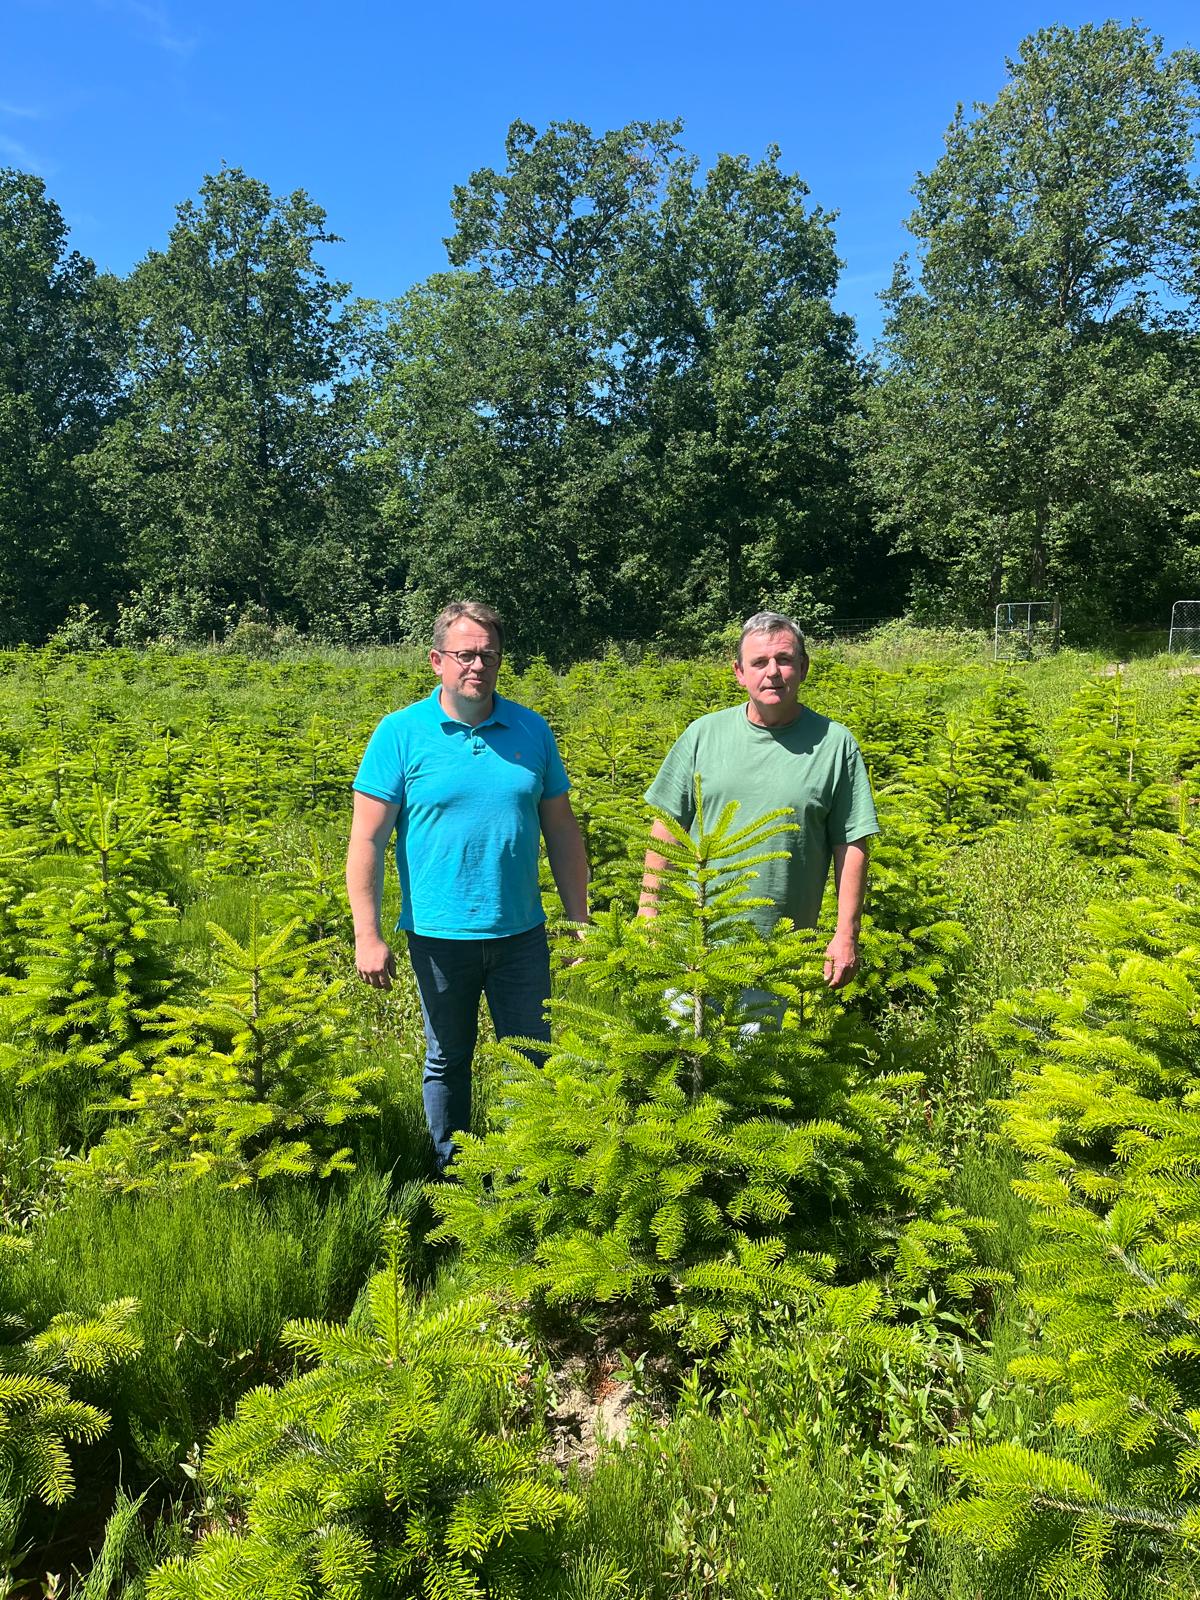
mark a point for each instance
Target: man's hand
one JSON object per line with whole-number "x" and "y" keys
{"x": 573, "y": 936}
{"x": 375, "y": 962}
{"x": 652, "y": 870}
{"x": 841, "y": 960}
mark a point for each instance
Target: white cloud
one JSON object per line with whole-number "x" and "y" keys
{"x": 20, "y": 113}
{"x": 15, "y": 154}
{"x": 154, "y": 22}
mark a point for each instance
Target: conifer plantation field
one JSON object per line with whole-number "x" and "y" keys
{"x": 900, "y": 1300}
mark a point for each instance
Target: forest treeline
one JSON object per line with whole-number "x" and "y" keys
{"x": 628, "y": 409}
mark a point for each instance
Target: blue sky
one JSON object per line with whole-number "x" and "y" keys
{"x": 378, "y": 110}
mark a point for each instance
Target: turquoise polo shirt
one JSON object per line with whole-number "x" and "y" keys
{"x": 468, "y": 831}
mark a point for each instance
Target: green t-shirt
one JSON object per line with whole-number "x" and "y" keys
{"x": 812, "y": 766}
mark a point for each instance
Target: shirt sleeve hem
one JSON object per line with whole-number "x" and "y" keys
{"x": 374, "y": 794}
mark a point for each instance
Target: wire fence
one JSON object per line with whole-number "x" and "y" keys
{"x": 1184, "y": 638}
{"x": 1026, "y": 630}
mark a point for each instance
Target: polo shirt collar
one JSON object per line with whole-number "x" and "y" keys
{"x": 499, "y": 718}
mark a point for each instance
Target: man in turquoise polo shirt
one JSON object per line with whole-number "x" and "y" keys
{"x": 470, "y": 783}
{"x": 769, "y": 753}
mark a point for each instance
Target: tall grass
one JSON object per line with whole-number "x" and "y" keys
{"x": 215, "y": 1274}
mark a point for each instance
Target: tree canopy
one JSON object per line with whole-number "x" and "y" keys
{"x": 1034, "y": 421}
{"x": 629, "y": 409}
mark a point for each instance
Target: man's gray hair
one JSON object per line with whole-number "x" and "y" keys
{"x": 475, "y": 611}
{"x": 772, "y": 622}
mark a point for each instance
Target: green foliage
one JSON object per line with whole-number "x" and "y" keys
{"x": 396, "y": 1465}
{"x": 227, "y": 460}
{"x": 216, "y": 1275}
{"x": 90, "y": 967}
{"x": 1103, "y": 793}
{"x": 801, "y": 1462}
{"x": 1032, "y": 432}
{"x": 58, "y": 388}
{"x": 977, "y": 771}
{"x": 675, "y": 1153}
{"x": 573, "y": 419}
{"x": 913, "y": 946}
{"x": 39, "y": 1416}
{"x": 248, "y": 1081}
{"x": 1106, "y": 1116}
{"x": 1182, "y": 736}
{"x": 235, "y": 772}
{"x": 15, "y": 884}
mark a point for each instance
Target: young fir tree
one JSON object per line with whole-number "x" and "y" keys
{"x": 91, "y": 969}
{"x": 39, "y": 1417}
{"x": 248, "y": 1081}
{"x": 1106, "y": 1115}
{"x": 16, "y": 883}
{"x": 912, "y": 944}
{"x": 1181, "y": 736}
{"x": 670, "y": 1154}
{"x": 396, "y": 1466}
{"x": 309, "y": 888}
{"x": 980, "y": 770}
{"x": 1103, "y": 794}
{"x": 898, "y": 715}
{"x": 612, "y": 759}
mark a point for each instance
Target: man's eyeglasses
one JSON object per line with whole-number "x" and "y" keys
{"x": 487, "y": 658}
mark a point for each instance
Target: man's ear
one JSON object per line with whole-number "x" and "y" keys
{"x": 803, "y": 673}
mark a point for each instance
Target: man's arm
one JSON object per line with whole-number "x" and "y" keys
{"x": 652, "y": 870}
{"x": 850, "y": 881}
{"x": 370, "y": 831}
{"x": 568, "y": 860}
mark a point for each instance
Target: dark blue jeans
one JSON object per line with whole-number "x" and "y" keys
{"x": 514, "y": 974}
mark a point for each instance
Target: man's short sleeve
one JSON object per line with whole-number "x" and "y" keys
{"x": 554, "y": 780}
{"x": 381, "y": 770}
{"x": 674, "y": 788}
{"x": 852, "y": 814}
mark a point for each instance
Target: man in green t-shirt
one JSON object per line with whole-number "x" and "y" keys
{"x": 774, "y": 752}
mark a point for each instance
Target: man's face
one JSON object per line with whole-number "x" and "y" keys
{"x": 771, "y": 671}
{"x": 472, "y": 681}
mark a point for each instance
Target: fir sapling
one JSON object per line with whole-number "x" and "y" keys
{"x": 674, "y": 1157}
{"x": 396, "y": 1464}
{"x": 39, "y": 1416}
{"x": 1103, "y": 791}
{"x": 248, "y": 1081}
{"x": 92, "y": 967}
{"x": 1105, "y": 1112}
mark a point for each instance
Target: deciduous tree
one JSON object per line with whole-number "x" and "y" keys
{"x": 58, "y": 346}
{"x": 1034, "y": 426}
{"x": 237, "y": 428}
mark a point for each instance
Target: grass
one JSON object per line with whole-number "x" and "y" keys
{"x": 215, "y": 1274}
{"x": 1023, "y": 900}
